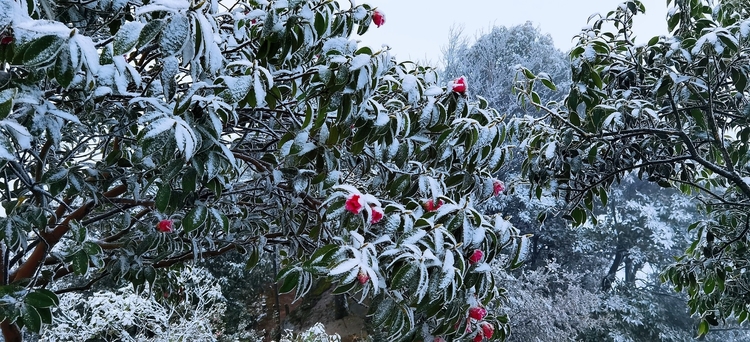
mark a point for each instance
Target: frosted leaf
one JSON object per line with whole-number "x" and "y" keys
{"x": 392, "y": 223}
{"x": 433, "y": 91}
{"x": 363, "y": 79}
{"x": 359, "y": 13}
{"x": 589, "y": 53}
{"x": 186, "y": 140}
{"x": 126, "y": 37}
{"x": 468, "y": 229}
{"x": 256, "y": 14}
{"x": 409, "y": 85}
{"x": 259, "y": 89}
{"x": 382, "y": 119}
{"x": 175, "y": 35}
{"x": 102, "y": 91}
{"x": 710, "y": 38}
{"x": 20, "y": 133}
{"x": 338, "y": 59}
{"x": 237, "y": 87}
{"x": 549, "y": 153}
{"x": 340, "y": 44}
{"x": 416, "y": 236}
{"x": 613, "y": 120}
{"x": 89, "y": 55}
{"x": 445, "y": 209}
{"x": 164, "y": 5}
{"x": 64, "y": 115}
{"x": 359, "y": 61}
{"x": 345, "y": 266}
{"x": 158, "y": 127}
{"x": 482, "y": 268}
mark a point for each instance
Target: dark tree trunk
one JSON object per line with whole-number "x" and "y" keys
{"x": 610, "y": 277}
{"x": 11, "y": 333}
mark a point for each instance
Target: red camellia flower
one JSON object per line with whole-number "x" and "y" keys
{"x": 431, "y": 206}
{"x": 487, "y": 329}
{"x": 476, "y": 256}
{"x": 497, "y": 186}
{"x": 477, "y": 312}
{"x": 478, "y": 337}
{"x": 459, "y": 85}
{"x": 353, "y": 204}
{"x": 6, "y": 40}
{"x": 362, "y": 277}
{"x": 377, "y": 215}
{"x": 164, "y": 226}
{"x": 378, "y": 18}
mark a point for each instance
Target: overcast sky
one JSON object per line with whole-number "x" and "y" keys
{"x": 417, "y": 29}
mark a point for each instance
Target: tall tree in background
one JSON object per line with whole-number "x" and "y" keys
{"x": 490, "y": 62}
{"x": 135, "y": 137}
{"x": 674, "y": 111}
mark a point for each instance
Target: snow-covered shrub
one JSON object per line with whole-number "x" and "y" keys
{"x": 194, "y": 314}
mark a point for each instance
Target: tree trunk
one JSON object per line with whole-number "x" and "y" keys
{"x": 11, "y": 333}
{"x": 610, "y": 277}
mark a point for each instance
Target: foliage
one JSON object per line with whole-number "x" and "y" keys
{"x": 316, "y": 333}
{"x": 547, "y": 304}
{"x": 135, "y": 137}
{"x": 124, "y": 315}
{"x": 491, "y": 60}
{"x": 674, "y": 111}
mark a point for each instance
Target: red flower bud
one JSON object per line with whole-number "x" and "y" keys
{"x": 5, "y": 40}
{"x": 378, "y": 18}
{"x": 476, "y": 256}
{"x": 497, "y": 186}
{"x": 164, "y": 226}
{"x": 362, "y": 277}
{"x": 487, "y": 329}
{"x": 477, "y": 313}
{"x": 377, "y": 215}
{"x": 478, "y": 337}
{"x": 438, "y": 339}
{"x": 353, "y": 204}
{"x": 459, "y": 85}
{"x": 431, "y": 206}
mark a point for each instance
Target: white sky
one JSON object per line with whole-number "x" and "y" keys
{"x": 417, "y": 29}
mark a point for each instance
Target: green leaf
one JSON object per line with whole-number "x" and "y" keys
{"x": 64, "y": 68}
{"x": 6, "y": 102}
{"x": 709, "y": 285}
{"x": 579, "y": 216}
{"x": 41, "y": 299}
{"x": 253, "y": 260}
{"x": 80, "y": 261}
{"x": 126, "y": 37}
{"x": 42, "y": 50}
{"x": 703, "y": 328}
{"x": 162, "y": 197}
{"x": 31, "y": 318}
{"x": 150, "y": 31}
{"x": 195, "y": 218}
{"x": 78, "y": 231}
{"x": 290, "y": 281}
{"x": 91, "y": 248}
{"x": 174, "y": 35}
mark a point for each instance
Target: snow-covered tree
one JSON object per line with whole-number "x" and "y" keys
{"x": 137, "y": 136}
{"x": 492, "y": 59}
{"x": 674, "y": 110}
{"x": 193, "y": 314}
